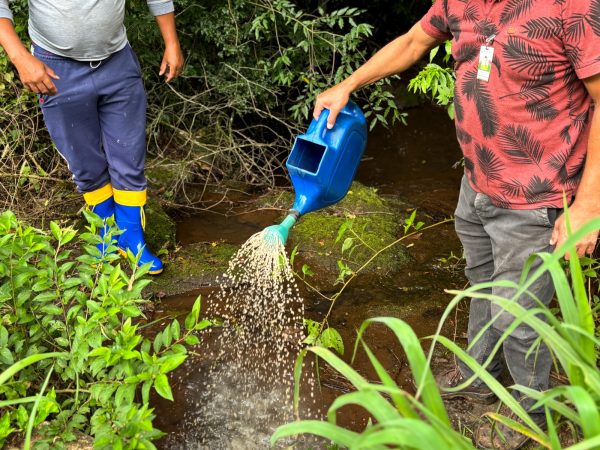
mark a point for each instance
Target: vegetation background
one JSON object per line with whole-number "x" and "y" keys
{"x": 253, "y": 69}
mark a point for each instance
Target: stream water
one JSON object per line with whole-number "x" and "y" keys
{"x": 211, "y": 411}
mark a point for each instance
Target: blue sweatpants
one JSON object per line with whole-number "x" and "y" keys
{"x": 98, "y": 119}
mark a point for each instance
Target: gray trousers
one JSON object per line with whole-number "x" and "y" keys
{"x": 497, "y": 242}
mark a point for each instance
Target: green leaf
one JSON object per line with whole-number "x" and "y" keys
{"x": 192, "y": 340}
{"x": 158, "y": 342}
{"x": 51, "y": 310}
{"x": 6, "y": 356}
{"x": 331, "y": 338}
{"x": 131, "y": 311}
{"x": 326, "y": 430}
{"x": 172, "y": 362}
{"x": 306, "y": 271}
{"x": 63, "y": 342}
{"x": 348, "y": 243}
{"x": 342, "y": 230}
{"x": 293, "y": 255}
{"x": 56, "y": 232}
{"x": 175, "y": 330}
{"x": 203, "y": 324}
{"x": 161, "y": 385}
{"x": 3, "y": 336}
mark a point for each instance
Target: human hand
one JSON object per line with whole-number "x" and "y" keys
{"x": 35, "y": 75}
{"x": 578, "y": 217}
{"x": 334, "y": 99}
{"x": 172, "y": 62}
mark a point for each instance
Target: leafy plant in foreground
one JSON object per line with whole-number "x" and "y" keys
{"x": 421, "y": 421}
{"x": 84, "y": 313}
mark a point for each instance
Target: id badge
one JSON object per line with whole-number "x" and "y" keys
{"x": 484, "y": 68}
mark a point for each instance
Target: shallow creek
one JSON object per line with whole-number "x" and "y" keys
{"x": 414, "y": 163}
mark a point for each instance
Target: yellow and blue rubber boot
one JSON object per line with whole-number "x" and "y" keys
{"x": 102, "y": 203}
{"x": 131, "y": 219}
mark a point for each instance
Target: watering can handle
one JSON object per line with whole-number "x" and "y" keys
{"x": 321, "y": 125}
{"x": 350, "y": 108}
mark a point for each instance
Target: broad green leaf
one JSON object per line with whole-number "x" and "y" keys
{"x": 161, "y": 385}
{"x": 172, "y": 362}
{"x": 331, "y": 338}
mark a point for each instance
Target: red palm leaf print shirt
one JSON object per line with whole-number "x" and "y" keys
{"x": 524, "y": 133}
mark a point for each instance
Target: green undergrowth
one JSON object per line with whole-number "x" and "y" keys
{"x": 403, "y": 420}
{"x": 73, "y": 358}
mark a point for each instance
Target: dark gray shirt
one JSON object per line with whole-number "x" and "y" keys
{"x": 85, "y": 30}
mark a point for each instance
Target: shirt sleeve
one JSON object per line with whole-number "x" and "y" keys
{"x": 5, "y": 12}
{"x": 581, "y": 36}
{"x": 160, "y": 7}
{"x": 435, "y": 22}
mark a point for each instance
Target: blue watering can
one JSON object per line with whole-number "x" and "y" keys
{"x": 323, "y": 163}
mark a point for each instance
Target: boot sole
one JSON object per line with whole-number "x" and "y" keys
{"x": 123, "y": 253}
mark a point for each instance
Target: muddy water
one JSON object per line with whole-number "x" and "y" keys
{"x": 414, "y": 162}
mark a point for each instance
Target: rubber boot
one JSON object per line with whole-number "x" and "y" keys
{"x": 102, "y": 203}
{"x": 131, "y": 219}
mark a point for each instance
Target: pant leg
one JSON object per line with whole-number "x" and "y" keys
{"x": 479, "y": 269}
{"x": 71, "y": 118}
{"x": 515, "y": 235}
{"x": 122, "y": 114}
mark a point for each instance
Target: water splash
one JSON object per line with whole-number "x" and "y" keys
{"x": 248, "y": 391}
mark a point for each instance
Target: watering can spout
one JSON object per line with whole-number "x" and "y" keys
{"x": 280, "y": 233}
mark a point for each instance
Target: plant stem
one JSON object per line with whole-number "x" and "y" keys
{"x": 335, "y": 296}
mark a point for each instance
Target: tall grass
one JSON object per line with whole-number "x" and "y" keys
{"x": 420, "y": 421}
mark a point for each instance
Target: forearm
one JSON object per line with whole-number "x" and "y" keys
{"x": 394, "y": 58}
{"x": 588, "y": 193}
{"x": 166, "y": 24}
{"x": 9, "y": 40}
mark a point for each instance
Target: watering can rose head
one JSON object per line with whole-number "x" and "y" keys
{"x": 279, "y": 233}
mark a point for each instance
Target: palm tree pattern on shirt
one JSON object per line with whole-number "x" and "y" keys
{"x": 524, "y": 132}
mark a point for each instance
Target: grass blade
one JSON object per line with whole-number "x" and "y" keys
{"x": 20, "y": 365}
{"x": 325, "y": 430}
{"x": 417, "y": 361}
{"x": 31, "y": 422}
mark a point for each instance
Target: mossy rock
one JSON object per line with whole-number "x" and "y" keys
{"x": 160, "y": 228}
{"x": 161, "y": 174}
{"x": 192, "y": 267}
{"x": 363, "y": 221}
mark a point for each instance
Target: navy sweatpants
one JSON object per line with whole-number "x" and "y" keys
{"x": 98, "y": 119}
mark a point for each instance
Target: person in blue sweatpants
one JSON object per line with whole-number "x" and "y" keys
{"x": 92, "y": 96}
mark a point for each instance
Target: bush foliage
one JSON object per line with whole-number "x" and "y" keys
{"x": 86, "y": 314}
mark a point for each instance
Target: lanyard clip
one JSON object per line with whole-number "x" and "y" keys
{"x": 489, "y": 40}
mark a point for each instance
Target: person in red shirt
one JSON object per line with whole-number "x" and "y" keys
{"x": 527, "y": 78}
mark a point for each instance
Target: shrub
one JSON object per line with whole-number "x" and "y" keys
{"x": 85, "y": 313}
{"x": 253, "y": 70}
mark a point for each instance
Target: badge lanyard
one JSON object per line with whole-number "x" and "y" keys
{"x": 486, "y": 57}
{"x": 486, "y": 54}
